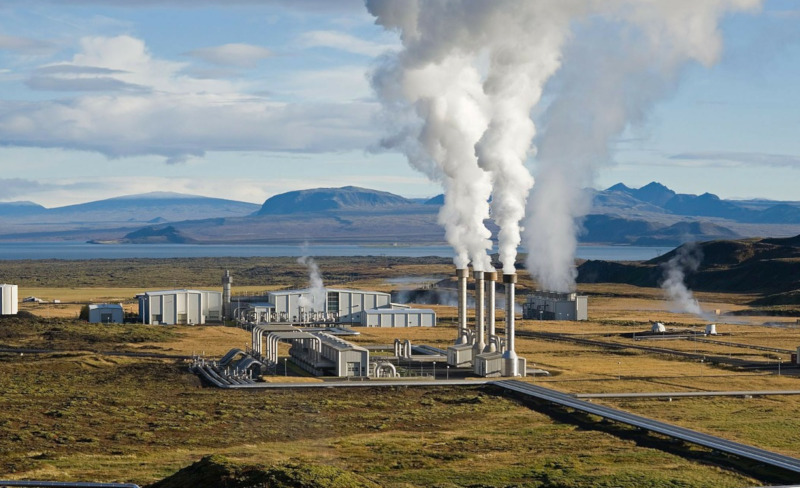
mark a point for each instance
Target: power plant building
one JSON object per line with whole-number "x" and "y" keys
{"x": 401, "y": 317}
{"x": 347, "y": 305}
{"x": 555, "y": 306}
{"x": 106, "y": 313}
{"x": 9, "y": 295}
{"x": 183, "y": 307}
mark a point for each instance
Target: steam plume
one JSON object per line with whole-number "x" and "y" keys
{"x": 471, "y": 71}
{"x": 316, "y": 301}
{"x": 620, "y": 63}
{"x": 687, "y": 258}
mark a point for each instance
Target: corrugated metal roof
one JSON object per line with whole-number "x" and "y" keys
{"x": 115, "y": 306}
{"x": 391, "y": 311}
{"x": 338, "y": 290}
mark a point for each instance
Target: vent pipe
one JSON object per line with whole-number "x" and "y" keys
{"x": 226, "y": 294}
{"x": 461, "y": 274}
{"x": 491, "y": 279}
{"x": 480, "y": 329}
{"x": 510, "y": 356}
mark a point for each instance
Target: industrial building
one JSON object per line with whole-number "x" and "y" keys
{"x": 317, "y": 352}
{"x": 401, "y": 317}
{"x": 555, "y": 306}
{"x": 329, "y": 306}
{"x": 9, "y": 295}
{"x": 184, "y": 307}
{"x": 106, "y": 313}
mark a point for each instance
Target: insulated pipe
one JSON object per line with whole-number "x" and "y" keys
{"x": 491, "y": 279}
{"x": 510, "y": 355}
{"x": 480, "y": 340}
{"x": 461, "y": 274}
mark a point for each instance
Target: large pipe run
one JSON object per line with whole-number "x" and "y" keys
{"x": 461, "y": 274}
{"x": 480, "y": 329}
{"x": 510, "y": 355}
{"x": 491, "y": 279}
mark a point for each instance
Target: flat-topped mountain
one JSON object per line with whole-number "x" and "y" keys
{"x": 327, "y": 199}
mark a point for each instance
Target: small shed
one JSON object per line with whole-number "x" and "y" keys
{"x": 106, "y": 313}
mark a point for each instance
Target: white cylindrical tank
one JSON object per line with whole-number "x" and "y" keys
{"x": 711, "y": 329}
{"x": 658, "y": 327}
{"x": 9, "y": 295}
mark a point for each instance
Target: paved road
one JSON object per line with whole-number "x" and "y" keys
{"x": 710, "y": 441}
{"x": 679, "y": 394}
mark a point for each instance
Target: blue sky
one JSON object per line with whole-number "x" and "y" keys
{"x": 246, "y": 99}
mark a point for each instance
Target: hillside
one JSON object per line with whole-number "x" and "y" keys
{"x": 769, "y": 267}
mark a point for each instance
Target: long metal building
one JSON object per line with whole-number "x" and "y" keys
{"x": 9, "y": 295}
{"x": 185, "y": 307}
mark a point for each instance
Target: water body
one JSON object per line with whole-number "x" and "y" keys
{"x": 82, "y": 250}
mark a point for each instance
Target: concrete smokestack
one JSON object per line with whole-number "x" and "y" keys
{"x": 510, "y": 356}
{"x": 491, "y": 279}
{"x": 461, "y": 274}
{"x": 480, "y": 330}
{"x": 226, "y": 294}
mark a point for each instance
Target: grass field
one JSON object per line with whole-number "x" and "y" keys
{"x": 80, "y": 415}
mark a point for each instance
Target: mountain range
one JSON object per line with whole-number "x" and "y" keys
{"x": 650, "y": 215}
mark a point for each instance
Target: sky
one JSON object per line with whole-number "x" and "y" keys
{"x": 246, "y": 99}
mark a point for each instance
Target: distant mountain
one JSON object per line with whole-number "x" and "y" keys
{"x": 20, "y": 208}
{"x": 328, "y": 199}
{"x": 170, "y": 207}
{"x": 650, "y": 215}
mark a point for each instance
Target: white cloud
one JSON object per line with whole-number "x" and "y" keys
{"x": 150, "y": 106}
{"x": 725, "y": 158}
{"x": 344, "y": 42}
{"x": 239, "y": 55}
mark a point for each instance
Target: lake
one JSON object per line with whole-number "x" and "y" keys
{"x": 82, "y": 250}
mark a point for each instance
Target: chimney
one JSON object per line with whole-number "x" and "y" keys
{"x": 480, "y": 339}
{"x": 491, "y": 279}
{"x": 510, "y": 356}
{"x": 226, "y": 295}
{"x": 461, "y": 274}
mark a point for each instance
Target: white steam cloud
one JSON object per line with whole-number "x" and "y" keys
{"x": 316, "y": 300}
{"x": 687, "y": 259}
{"x": 460, "y": 92}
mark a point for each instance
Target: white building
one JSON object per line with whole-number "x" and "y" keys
{"x": 106, "y": 313}
{"x": 402, "y": 317}
{"x": 555, "y": 306}
{"x": 346, "y": 305}
{"x": 9, "y": 294}
{"x": 184, "y": 307}
{"x": 335, "y": 357}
